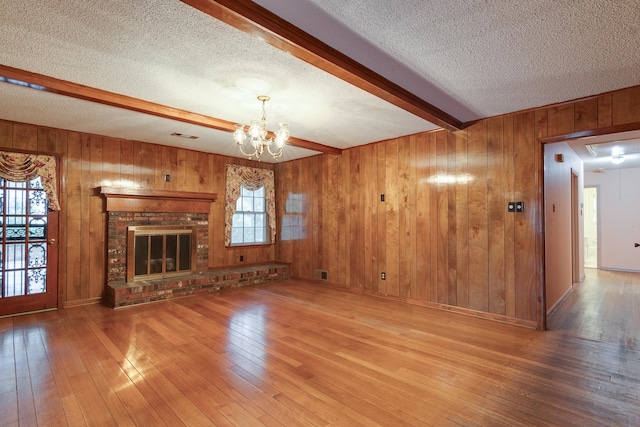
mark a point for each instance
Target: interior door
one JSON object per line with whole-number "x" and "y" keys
{"x": 28, "y": 248}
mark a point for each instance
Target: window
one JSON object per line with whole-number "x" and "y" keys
{"x": 293, "y": 221}
{"x": 249, "y": 210}
{"x": 249, "y": 224}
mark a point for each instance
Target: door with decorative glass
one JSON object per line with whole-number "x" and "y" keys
{"x": 28, "y": 248}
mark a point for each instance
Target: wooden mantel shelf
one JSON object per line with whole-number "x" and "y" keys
{"x": 140, "y": 200}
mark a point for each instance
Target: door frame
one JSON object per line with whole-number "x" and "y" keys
{"x": 54, "y": 231}
{"x": 540, "y": 205}
{"x": 575, "y": 228}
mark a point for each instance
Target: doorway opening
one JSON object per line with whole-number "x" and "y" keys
{"x": 591, "y": 231}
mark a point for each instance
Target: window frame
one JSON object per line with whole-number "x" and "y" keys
{"x": 265, "y": 229}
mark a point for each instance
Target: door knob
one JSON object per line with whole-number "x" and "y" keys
{"x": 52, "y": 241}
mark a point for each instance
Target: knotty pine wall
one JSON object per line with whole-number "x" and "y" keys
{"x": 449, "y": 244}
{"x": 452, "y": 244}
{"x": 90, "y": 161}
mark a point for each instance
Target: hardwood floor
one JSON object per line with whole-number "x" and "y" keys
{"x": 605, "y": 307}
{"x": 298, "y": 353}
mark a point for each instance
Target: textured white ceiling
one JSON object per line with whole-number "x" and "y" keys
{"x": 172, "y": 54}
{"x": 476, "y": 59}
{"x": 472, "y": 59}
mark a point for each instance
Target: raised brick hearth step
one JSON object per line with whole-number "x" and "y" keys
{"x": 121, "y": 294}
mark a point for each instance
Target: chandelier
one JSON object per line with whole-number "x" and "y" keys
{"x": 254, "y": 142}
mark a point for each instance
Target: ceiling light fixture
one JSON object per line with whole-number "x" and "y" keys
{"x": 253, "y": 142}
{"x": 617, "y": 156}
{"x": 617, "y": 159}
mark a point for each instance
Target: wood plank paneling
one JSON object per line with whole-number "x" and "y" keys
{"x": 380, "y": 179}
{"x": 356, "y": 237}
{"x": 525, "y": 179}
{"x": 478, "y": 226}
{"x": 496, "y": 211}
{"x": 76, "y": 290}
{"x": 508, "y": 163}
{"x": 469, "y": 252}
{"x": 391, "y": 203}
{"x": 405, "y": 254}
{"x": 411, "y": 218}
{"x": 27, "y": 135}
{"x": 462, "y": 221}
{"x": 47, "y": 141}
{"x": 340, "y": 179}
{"x": 438, "y": 243}
{"x": 452, "y": 231}
{"x": 6, "y": 134}
{"x": 433, "y": 213}
{"x": 625, "y": 106}
{"x": 423, "y": 231}
{"x": 369, "y": 217}
{"x": 586, "y": 114}
{"x": 86, "y": 193}
{"x": 97, "y": 221}
{"x": 604, "y": 111}
{"x": 561, "y": 119}
{"x": 442, "y": 203}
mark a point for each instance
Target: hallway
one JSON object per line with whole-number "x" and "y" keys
{"x": 605, "y": 307}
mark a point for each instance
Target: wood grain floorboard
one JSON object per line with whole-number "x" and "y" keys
{"x": 299, "y": 353}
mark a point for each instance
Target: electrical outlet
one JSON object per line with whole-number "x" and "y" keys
{"x": 519, "y": 206}
{"x": 382, "y": 197}
{"x": 383, "y": 275}
{"x": 241, "y": 258}
{"x": 167, "y": 177}
{"x": 511, "y": 207}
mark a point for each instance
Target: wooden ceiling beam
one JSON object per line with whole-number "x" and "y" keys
{"x": 252, "y": 18}
{"x": 87, "y": 93}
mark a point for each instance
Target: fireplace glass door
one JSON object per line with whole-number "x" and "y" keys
{"x": 160, "y": 252}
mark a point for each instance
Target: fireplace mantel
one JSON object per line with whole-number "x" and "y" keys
{"x": 140, "y": 200}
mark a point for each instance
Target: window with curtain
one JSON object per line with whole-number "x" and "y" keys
{"x": 22, "y": 167}
{"x": 249, "y": 206}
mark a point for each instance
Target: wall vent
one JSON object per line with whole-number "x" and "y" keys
{"x": 321, "y": 275}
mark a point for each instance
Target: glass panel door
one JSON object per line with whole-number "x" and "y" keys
{"x": 24, "y": 245}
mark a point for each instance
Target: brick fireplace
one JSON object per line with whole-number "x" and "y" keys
{"x": 120, "y": 225}
{"x": 131, "y": 209}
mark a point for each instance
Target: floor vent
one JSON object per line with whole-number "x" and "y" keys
{"x": 321, "y": 275}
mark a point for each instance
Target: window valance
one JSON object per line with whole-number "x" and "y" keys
{"x": 23, "y": 167}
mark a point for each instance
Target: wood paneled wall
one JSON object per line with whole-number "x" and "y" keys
{"x": 446, "y": 243}
{"x": 450, "y": 241}
{"x": 90, "y": 161}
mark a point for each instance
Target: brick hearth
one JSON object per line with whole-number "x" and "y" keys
{"x": 121, "y": 294}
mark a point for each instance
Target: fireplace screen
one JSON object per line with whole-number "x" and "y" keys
{"x": 160, "y": 252}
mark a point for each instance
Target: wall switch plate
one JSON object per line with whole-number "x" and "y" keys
{"x": 167, "y": 177}
{"x": 519, "y": 206}
{"x": 241, "y": 258}
{"x": 511, "y": 207}
{"x": 382, "y": 197}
